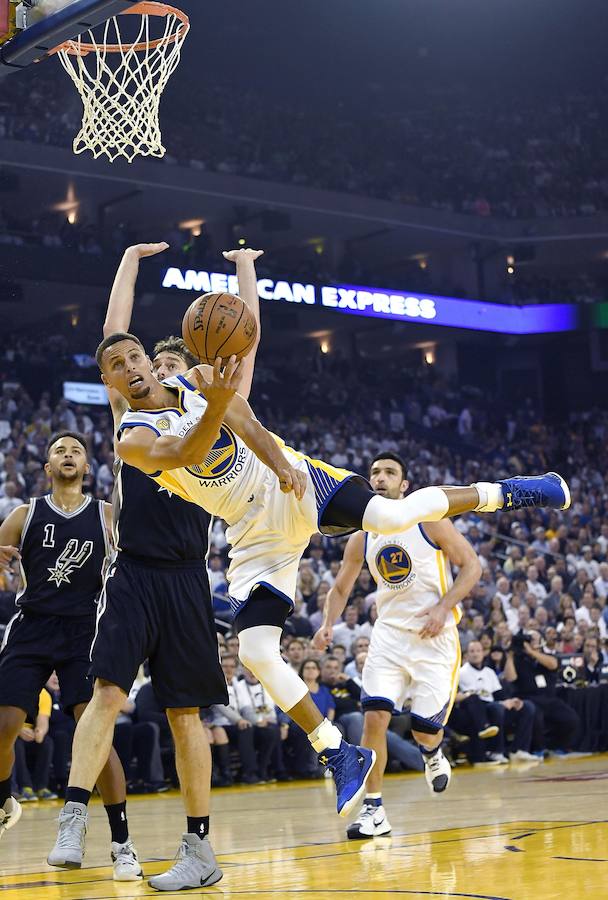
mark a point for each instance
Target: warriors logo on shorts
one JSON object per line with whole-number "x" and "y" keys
{"x": 221, "y": 458}
{"x": 394, "y": 564}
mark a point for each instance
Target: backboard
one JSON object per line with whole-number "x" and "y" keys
{"x": 31, "y": 43}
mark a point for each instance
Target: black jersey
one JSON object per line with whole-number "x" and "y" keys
{"x": 62, "y": 558}
{"x": 154, "y": 525}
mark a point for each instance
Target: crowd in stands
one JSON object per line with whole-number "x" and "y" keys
{"x": 461, "y": 149}
{"x": 543, "y": 589}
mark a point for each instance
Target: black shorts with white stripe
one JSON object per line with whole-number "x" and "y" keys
{"x": 161, "y": 613}
{"x": 36, "y": 645}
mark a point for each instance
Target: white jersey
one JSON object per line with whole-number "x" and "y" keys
{"x": 412, "y": 573}
{"x": 226, "y": 481}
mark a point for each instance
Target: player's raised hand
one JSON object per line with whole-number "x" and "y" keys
{"x": 291, "y": 479}
{"x": 323, "y": 637}
{"x": 7, "y": 555}
{"x": 142, "y": 250}
{"x": 243, "y": 254}
{"x": 226, "y": 381}
{"x": 435, "y": 620}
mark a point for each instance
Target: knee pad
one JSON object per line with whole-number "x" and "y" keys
{"x": 259, "y": 650}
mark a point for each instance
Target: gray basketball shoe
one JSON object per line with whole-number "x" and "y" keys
{"x": 69, "y": 847}
{"x": 196, "y": 867}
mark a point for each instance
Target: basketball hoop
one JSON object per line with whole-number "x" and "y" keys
{"x": 121, "y": 83}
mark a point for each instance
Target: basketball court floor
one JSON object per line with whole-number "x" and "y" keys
{"x": 514, "y": 833}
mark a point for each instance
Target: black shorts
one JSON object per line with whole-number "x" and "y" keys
{"x": 34, "y": 646}
{"x": 162, "y": 614}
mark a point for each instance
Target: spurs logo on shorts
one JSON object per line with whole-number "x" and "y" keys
{"x": 74, "y": 557}
{"x": 394, "y": 564}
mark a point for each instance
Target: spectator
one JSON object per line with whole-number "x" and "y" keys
{"x": 301, "y": 758}
{"x": 295, "y": 652}
{"x": 350, "y": 629}
{"x": 266, "y": 730}
{"x": 508, "y": 713}
{"x": 533, "y": 673}
{"x": 10, "y": 501}
{"x": 593, "y": 660}
{"x": 233, "y": 724}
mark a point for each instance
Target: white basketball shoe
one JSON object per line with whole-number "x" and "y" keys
{"x": 437, "y": 771}
{"x": 371, "y": 822}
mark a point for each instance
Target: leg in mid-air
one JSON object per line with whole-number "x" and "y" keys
{"x": 354, "y": 505}
{"x": 259, "y": 625}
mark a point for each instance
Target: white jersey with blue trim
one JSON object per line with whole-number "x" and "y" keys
{"x": 226, "y": 481}
{"x": 412, "y": 573}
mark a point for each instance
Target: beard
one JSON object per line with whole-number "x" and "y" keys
{"x": 68, "y": 476}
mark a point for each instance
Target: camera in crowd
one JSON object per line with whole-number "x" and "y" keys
{"x": 518, "y": 640}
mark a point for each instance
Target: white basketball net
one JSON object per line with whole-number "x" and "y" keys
{"x": 121, "y": 84}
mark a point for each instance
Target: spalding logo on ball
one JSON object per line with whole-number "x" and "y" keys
{"x": 219, "y": 325}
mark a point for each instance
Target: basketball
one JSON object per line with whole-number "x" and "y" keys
{"x": 219, "y": 325}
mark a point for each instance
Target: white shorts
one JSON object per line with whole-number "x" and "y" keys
{"x": 401, "y": 665}
{"x": 268, "y": 542}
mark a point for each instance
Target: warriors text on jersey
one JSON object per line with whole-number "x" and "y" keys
{"x": 62, "y": 558}
{"x": 223, "y": 483}
{"x": 268, "y": 530}
{"x": 412, "y": 574}
{"x": 151, "y": 523}
{"x": 226, "y": 482}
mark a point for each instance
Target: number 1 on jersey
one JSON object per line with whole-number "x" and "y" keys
{"x": 49, "y": 536}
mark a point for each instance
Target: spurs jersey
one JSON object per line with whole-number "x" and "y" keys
{"x": 411, "y": 572}
{"x": 226, "y": 482}
{"x": 152, "y": 524}
{"x": 62, "y": 558}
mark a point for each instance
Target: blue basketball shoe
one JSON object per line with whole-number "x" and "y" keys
{"x": 522, "y": 492}
{"x": 350, "y": 767}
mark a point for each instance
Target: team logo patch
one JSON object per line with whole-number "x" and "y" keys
{"x": 73, "y": 557}
{"x": 221, "y": 458}
{"x": 163, "y": 424}
{"x": 393, "y": 564}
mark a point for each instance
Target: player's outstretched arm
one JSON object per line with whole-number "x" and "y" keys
{"x": 10, "y": 535}
{"x": 241, "y": 418}
{"x": 461, "y": 554}
{"x": 337, "y": 598}
{"x": 244, "y": 259}
{"x": 120, "y": 304}
{"x": 141, "y": 448}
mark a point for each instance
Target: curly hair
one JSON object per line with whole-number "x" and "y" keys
{"x": 173, "y": 344}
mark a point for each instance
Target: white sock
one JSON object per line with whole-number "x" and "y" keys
{"x": 384, "y": 516}
{"x": 490, "y": 496}
{"x": 325, "y": 736}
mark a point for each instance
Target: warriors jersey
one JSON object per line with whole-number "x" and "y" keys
{"x": 224, "y": 483}
{"x": 62, "y": 558}
{"x": 412, "y": 573}
{"x": 151, "y": 523}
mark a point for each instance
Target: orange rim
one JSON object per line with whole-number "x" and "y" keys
{"x": 145, "y": 8}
